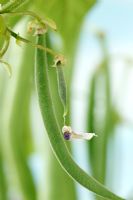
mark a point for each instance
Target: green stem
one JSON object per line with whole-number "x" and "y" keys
{"x": 17, "y": 37}
{"x": 54, "y": 133}
{"x": 11, "y": 5}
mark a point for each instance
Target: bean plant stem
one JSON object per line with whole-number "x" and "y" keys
{"x": 17, "y": 37}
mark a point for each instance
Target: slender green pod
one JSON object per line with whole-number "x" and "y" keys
{"x": 55, "y": 136}
{"x": 62, "y": 89}
{"x": 54, "y": 84}
{"x": 11, "y": 5}
{"x": 55, "y": 170}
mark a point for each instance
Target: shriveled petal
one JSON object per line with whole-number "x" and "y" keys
{"x": 85, "y": 136}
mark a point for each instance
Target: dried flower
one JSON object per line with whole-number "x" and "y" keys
{"x": 36, "y": 28}
{"x": 70, "y": 134}
{"x": 59, "y": 60}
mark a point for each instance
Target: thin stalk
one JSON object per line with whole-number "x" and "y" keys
{"x": 54, "y": 133}
{"x": 17, "y": 37}
{"x": 54, "y": 84}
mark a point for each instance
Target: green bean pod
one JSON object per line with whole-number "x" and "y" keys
{"x": 55, "y": 170}
{"x": 54, "y": 133}
{"x": 62, "y": 89}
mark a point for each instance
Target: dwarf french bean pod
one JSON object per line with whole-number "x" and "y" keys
{"x": 62, "y": 88}
{"x": 54, "y": 133}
